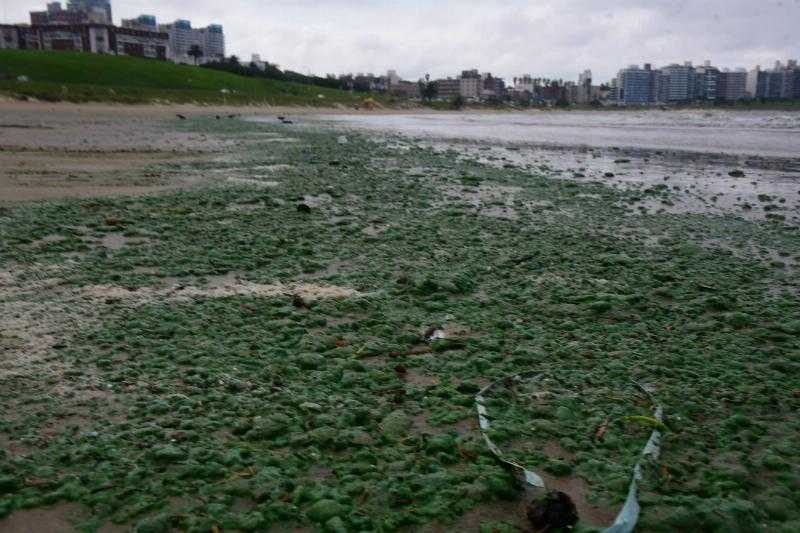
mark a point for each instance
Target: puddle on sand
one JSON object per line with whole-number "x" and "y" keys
{"x": 679, "y": 182}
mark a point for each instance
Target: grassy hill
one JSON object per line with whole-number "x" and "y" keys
{"x": 81, "y": 77}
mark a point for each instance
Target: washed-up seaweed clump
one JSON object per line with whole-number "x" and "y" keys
{"x": 236, "y": 409}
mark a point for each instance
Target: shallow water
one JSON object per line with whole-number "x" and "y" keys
{"x": 761, "y": 133}
{"x": 691, "y": 153}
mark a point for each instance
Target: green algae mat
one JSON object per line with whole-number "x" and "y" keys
{"x": 299, "y": 346}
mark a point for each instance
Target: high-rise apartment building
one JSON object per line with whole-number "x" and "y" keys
{"x": 638, "y": 86}
{"x": 680, "y": 83}
{"x": 56, "y": 14}
{"x": 142, "y": 22}
{"x": 783, "y": 81}
{"x": 706, "y": 82}
{"x": 470, "y": 88}
{"x": 213, "y": 40}
{"x": 731, "y": 85}
{"x": 584, "y": 92}
{"x": 210, "y": 42}
{"x": 448, "y": 88}
{"x": 93, "y": 6}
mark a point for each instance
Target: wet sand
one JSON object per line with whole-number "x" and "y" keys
{"x": 743, "y": 163}
{"x": 759, "y": 133}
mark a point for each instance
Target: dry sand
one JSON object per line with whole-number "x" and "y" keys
{"x": 59, "y": 150}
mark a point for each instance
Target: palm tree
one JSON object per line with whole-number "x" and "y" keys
{"x": 196, "y": 52}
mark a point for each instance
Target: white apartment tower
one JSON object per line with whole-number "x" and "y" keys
{"x": 183, "y": 39}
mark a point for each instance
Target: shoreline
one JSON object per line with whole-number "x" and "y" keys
{"x": 8, "y": 103}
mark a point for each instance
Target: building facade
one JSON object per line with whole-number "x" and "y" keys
{"x": 88, "y": 37}
{"x": 470, "y": 88}
{"x": 782, "y": 82}
{"x": 585, "y": 92}
{"x": 102, "y": 7}
{"x": 639, "y": 86}
{"x": 493, "y": 89}
{"x": 732, "y": 85}
{"x": 213, "y": 38}
{"x": 448, "y": 88}
{"x": 707, "y": 83}
{"x": 183, "y": 39}
{"x": 55, "y": 14}
{"x": 142, "y": 22}
{"x": 680, "y": 83}
{"x": 9, "y": 37}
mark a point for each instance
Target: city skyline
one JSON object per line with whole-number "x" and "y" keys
{"x": 553, "y": 39}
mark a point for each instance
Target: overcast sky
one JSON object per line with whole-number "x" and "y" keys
{"x": 547, "y": 38}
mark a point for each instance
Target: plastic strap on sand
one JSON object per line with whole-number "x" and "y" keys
{"x": 628, "y": 516}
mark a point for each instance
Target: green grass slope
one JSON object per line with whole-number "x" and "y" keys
{"x": 81, "y": 77}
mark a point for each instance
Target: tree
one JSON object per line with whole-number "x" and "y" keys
{"x": 233, "y": 60}
{"x": 428, "y": 89}
{"x": 195, "y": 52}
{"x": 458, "y": 102}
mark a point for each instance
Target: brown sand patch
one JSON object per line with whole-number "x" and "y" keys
{"x": 82, "y": 152}
{"x": 419, "y": 379}
{"x": 598, "y": 513}
{"x": 510, "y": 513}
{"x": 420, "y": 425}
{"x": 145, "y": 270}
{"x": 43, "y": 241}
{"x": 56, "y": 519}
{"x": 553, "y": 449}
{"x": 320, "y": 472}
{"x": 274, "y": 168}
{"x": 374, "y": 230}
{"x": 245, "y": 208}
{"x": 118, "y": 241}
{"x": 307, "y": 291}
{"x": 265, "y": 184}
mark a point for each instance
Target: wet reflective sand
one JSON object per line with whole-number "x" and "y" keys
{"x": 692, "y": 153}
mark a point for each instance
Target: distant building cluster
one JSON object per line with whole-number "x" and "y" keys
{"x": 633, "y": 86}
{"x": 88, "y": 26}
{"x": 681, "y": 84}
{"x": 472, "y": 86}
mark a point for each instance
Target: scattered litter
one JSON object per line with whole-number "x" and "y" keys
{"x": 629, "y": 515}
{"x": 435, "y": 334}
{"x": 553, "y": 511}
{"x": 342, "y": 139}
